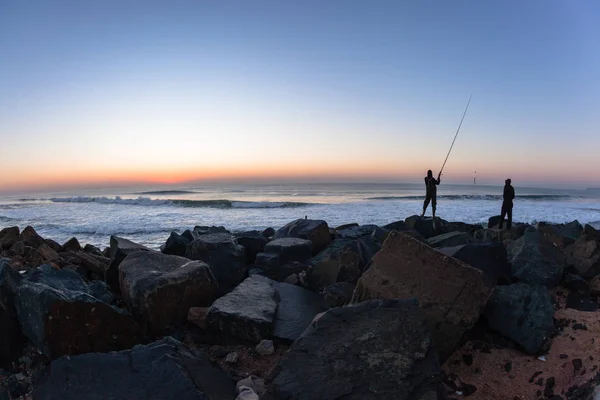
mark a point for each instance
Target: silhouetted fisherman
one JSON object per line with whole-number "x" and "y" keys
{"x": 431, "y": 192}
{"x": 507, "y": 204}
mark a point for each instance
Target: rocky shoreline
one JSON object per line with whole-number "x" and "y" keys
{"x": 417, "y": 309}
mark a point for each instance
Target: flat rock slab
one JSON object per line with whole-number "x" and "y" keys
{"x": 490, "y": 258}
{"x": 380, "y": 349}
{"x": 452, "y": 294}
{"x": 246, "y": 313}
{"x": 160, "y": 370}
{"x": 450, "y": 239}
{"x": 522, "y": 313}
{"x": 317, "y": 231}
{"x": 159, "y": 289}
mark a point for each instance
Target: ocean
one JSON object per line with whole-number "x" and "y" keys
{"x": 148, "y": 215}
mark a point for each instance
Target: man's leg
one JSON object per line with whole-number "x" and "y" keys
{"x": 425, "y": 204}
{"x": 433, "y": 204}
{"x": 509, "y": 215}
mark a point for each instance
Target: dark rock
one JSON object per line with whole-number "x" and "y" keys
{"x": 176, "y": 244}
{"x": 452, "y": 302}
{"x": 246, "y": 313}
{"x": 206, "y": 230}
{"x": 355, "y": 232}
{"x": 93, "y": 263}
{"x": 58, "y": 312}
{"x": 347, "y": 353}
{"x": 463, "y": 227}
{"x": 8, "y": 237}
{"x": 345, "y": 226}
{"x": 367, "y": 248}
{"x": 522, "y": 313}
{"x": 268, "y": 233}
{"x": 575, "y": 283}
{"x": 591, "y": 232}
{"x": 159, "y": 289}
{"x": 426, "y": 226}
{"x": 226, "y": 258}
{"x": 486, "y": 235}
{"x": 47, "y": 254}
{"x": 317, "y": 231}
{"x": 549, "y": 389}
{"x": 18, "y": 248}
{"x": 119, "y": 249}
{"x": 71, "y": 245}
{"x": 101, "y": 291}
{"x": 160, "y": 370}
{"x": 535, "y": 260}
{"x": 490, "y": 258}
{"x": 12, "y": 339}
{"x": 577, "y": 364}
{"x": 254, "y": 242}
{"x": 397, "y": 226}
{"x": 338, "y": 294}
{"x": 494, "y": 221}
{"x": 340, "y": 262}
{"x": 584, "y": 255}
{"x": 380, "y": 234}
{"x": 30, "y": 237}
{"x": 579, "y": 327}
{"x": 53, "y": 245}
{"x": 581, "y": 302}
{"x": 93, "y": 250}
{"x": 468, "y": 359}
{"x": 449, "y": 239}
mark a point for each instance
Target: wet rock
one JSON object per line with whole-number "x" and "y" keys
{"x": 449, "y": 239}
{"x": 463, "y": 227}
{"x": 265, "y": 348}
{"x": 12, "y": 339}
{"x": 338, "y": 294}
{"x": 451, "y": 303}
{"x": 254, "y": 242}
{"x": 490, "y": 258}
{"x": 522, "y": 313}
{"x": 8, "y": 237}
{"x": 535, "y": 260}
{"x": 226, "y": 258}
{"x": 355, "y": 232}
{"x": 584, "y": 255}
{"x": 160, "y": 370}
{"x": 60, "y": 314}
{"x": 159, "y": 289}
{"x": 71, "y": 245}
{"x": 347, "y": 353}
{"x": 494, "y": 221}
{"x": 558, "y": 234}
{"x": 246, "y": 313}
{"x": 119, "y": 249}
{"x": 317, "y": 231}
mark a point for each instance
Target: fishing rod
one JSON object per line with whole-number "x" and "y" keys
{"x": 455, "y": 136}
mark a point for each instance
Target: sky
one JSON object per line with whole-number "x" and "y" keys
{"x": 119, "y": 92}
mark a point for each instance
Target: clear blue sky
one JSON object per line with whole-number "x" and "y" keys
{"x": 107, "y": 91}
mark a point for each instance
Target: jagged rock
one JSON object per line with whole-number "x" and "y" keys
{"x": 246, "y": 313}
{"x": 463, "y": 227}
{"x": 591, "y": 232}
{"x": 206, "y": 230}
{"x": 345, "y": 226}
{"x": 159, "y": 289}
{"x": 47, "y": 254}
{"x": 177, "y": 244}
{"x": 254, "y": 242}
{"x": 232, "y": 358}
{"x": 93, "y": 263}
{"x": 18, "y": 248}
{"x": 355, "y": 232}
{"x": 53, "y": 245}
{"x": 317, "y": 231}
{"x": 595, "y": 286}
{"x": 226, "y": 258}
{"x": 347, "y": 353}
{"x": 426, "y": 226}
{"x": 560, "y": 235}
{"x": 338, "y": 294}
{"x": 380, "y": 234}
{"x": 490, "y": 258}
{"x": 452, "y": 300}
{"x": 584, "y": 255}
{"x": 58, "y": 312}
{"x": 494, "y": 221}
{"x": 160, "y": 370}
{"x": 535, "y": 260}
{"x": 12, "y": 339}
{"x": 93, "y": 250}
{"x": 340, "y": 262}
{"x": 522, "y": 313}
{"x": 486, "y": 235}
{"x": 71, "y": 245}
{"x": 30, "y": 237}
{"x": 268, "y": 233}
{"x": 449, "y": 239}
{"x": 8, "y": 237}
{"x": 270, "y": 265}
{"x": 101, "y": 291}
{"x": 119, "y": 249}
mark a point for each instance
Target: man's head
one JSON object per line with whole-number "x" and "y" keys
{"x": 429, "y": 174}
{"x": 508, "y": 181}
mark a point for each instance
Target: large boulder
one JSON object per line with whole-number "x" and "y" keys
{"x": 449, "y": 239}
{"x": 452, "y": 294}
{"x": 317, "y": 231}
{"x": 177, "y": 244}
{"x": 12, "y": 339}
{"x": 380, "y": 349}
{"x": 93, "y": 263}
{"x": 119, "y": 249}
{"x": 535, "y": 260}
{"x": 71, "y": 245}
{"x": 486, "y": 235}
{"x": 31, "y": 238}
{"x": 226, "y": 258}
{"x": 284, "y": 257}
{"x": 206, "y": 230}
{"x": 340, "y": 262}
{"x": 61, "y": 315}
{"x": 426, "y": 226}
{"x": 338, "y": 294}
{"x": 8, "y": 237}
{"x": 494, "y": 221}
{"x": 159, "y": 289}
{"x": 463, "y": 227}
{"x": 160, "y": 370}
{"x": 584, "y": 255}
{"x": 355, "y": 232}
{"x": 522, "y": 313}
{"x": 490, "y": 258}
{"x": 254, "y": 242}
{"x": 561, "y": 235}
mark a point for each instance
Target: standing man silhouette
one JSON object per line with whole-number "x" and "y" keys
{"x": 507, "y": 204}
{"x": 430, "y": 192}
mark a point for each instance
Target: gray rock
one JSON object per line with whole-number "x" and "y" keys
{"x": 486, "y": 235}
{"x": 340, "y": 262}
{"x": 8, "y": 237}
{"x": 402, "y": 226}
{"x": 93, "y": 250}
{"x": 490, "y": 258}
{"x": 206, "y": 230}
{"x": 290, "y": 249}
{"x": 177, "y": 244}
{"x": 523, "y": 313}
{"x": 584, "y": 255}
{"x": 535, "y": 260}
{"x": 60, "y": 314}
{"x": 338, "y": 294}
{"x": 119, "y": 249}
{"x": 246, "y": 313}
{"x": 159, "y": 289}
{"x": 450, "y": 239}
{"x": 12, "y": 339}
{"x": 31, "y": 238}
{"x": 160, "y": 370}
{"x": 347, "y": 353}
{"x": 265, "y": 348}
{"x": 355, "y": 232}
{"x": 254, "y": 242}
{"x": 71, "y": 245}
{"x": 268, "y": 233}
{"x": 317, "y": 231}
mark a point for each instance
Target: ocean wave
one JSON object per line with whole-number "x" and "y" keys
{"x": 146, "y": 201}
{"x": 166, "y": 192}
{"x": 494, "y": 197}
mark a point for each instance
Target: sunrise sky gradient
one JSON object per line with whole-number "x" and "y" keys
{"x": 118, "y": 92}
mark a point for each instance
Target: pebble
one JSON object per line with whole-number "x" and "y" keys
{"x": 231, "y": 358}
{"x": 265, "y": 348}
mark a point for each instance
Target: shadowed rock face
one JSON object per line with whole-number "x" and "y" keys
{"x": 12, "y": 339}
{"x": 317, "y": 231}
{"x": 452, "y": 294}
{"x": 535, "y": 260}
{"x": 159, "y": 289}
{"x": 119, "y": 249}
{"x": 379, "y": 349}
